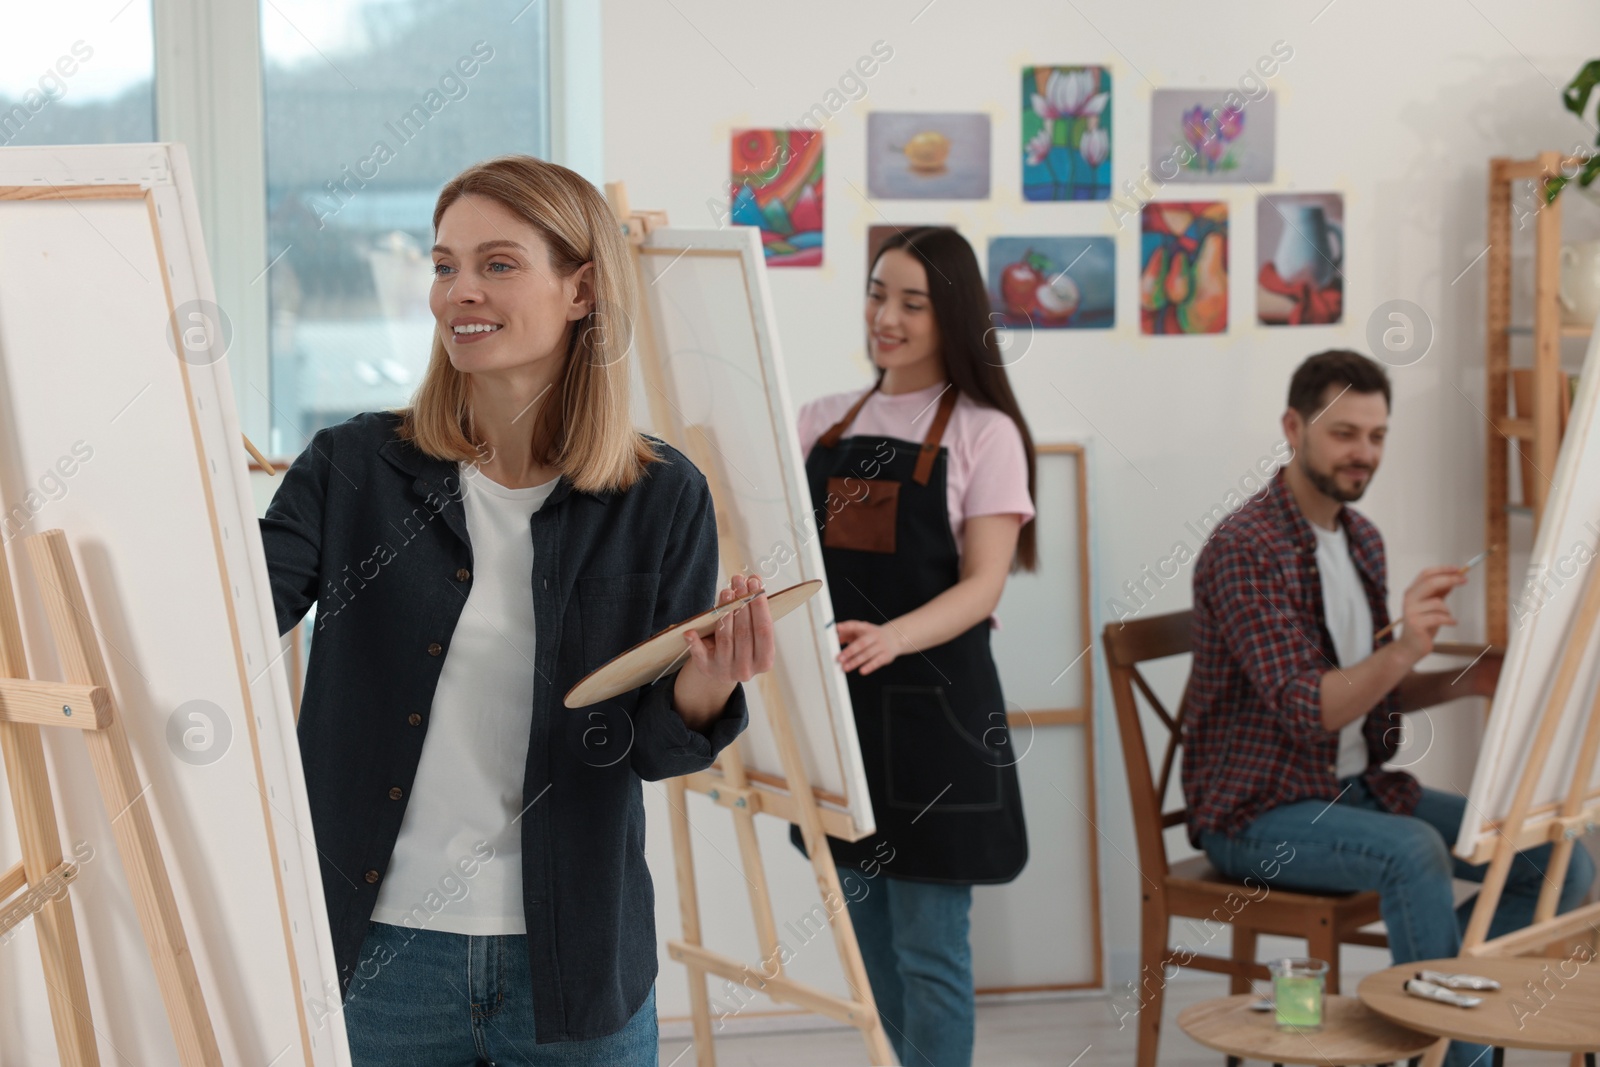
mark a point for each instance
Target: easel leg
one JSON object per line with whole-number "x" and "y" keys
{"x": 109, "y": 753}
{"x": 689, "y": 909}
{"x": 755, "y": 872}
{"x": 22, "y": 754}
{"x": 54, "y": 926}
{"x": 844, "y": 939}
{"x": 833, "y": 898}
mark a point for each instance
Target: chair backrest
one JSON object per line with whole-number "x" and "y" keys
{"x": 1127, "y": 645}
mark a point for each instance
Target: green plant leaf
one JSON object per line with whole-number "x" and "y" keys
{"x": 1590, "y": 169}
{"x": 1576, "y": 94}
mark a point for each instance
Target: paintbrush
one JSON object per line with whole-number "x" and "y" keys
{"x": 1463, "y": 569}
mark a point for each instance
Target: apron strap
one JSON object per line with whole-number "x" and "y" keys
{"x": 836, "y": 431}
{"x": 930, "y": 444}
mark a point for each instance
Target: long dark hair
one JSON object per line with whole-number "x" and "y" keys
{"x": 972, "y": 357}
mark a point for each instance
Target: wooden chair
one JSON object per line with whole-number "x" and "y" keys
{"x": 1192, "y": 888}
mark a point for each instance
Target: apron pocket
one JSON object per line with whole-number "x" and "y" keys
{"x": 929, "y": 756}
{"x": 864, "y": 521}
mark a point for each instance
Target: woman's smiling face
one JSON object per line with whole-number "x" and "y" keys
{"x": 901, "y": 330}
{"x": 498, "y": 302}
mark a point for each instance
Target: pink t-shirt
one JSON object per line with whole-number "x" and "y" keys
{"x": 986, "y": 470}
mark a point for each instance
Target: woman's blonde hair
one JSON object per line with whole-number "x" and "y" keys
{"x": 585, "y": 428}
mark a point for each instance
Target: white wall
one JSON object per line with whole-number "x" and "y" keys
{"x": 1398, "y": 106}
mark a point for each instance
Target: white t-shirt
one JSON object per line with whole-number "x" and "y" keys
{"x": 1349, "y": 619}
{"x": 468, "y": 788}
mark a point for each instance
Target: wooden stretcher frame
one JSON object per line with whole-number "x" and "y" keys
{"x": 159, "y": 176}
{"x": 1080, "y": 715}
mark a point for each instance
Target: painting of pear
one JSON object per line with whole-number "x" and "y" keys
{"x": 1183, "y": 272}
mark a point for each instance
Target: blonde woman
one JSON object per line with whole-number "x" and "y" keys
{"x": 471, "y": 557}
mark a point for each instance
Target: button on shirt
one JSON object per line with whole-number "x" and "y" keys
{"x": 1344, "y": 609}
{"x": 469, "y": 782}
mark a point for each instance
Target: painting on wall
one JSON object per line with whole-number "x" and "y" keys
{"x": 927, "y": 155}
{"x": 1183, "y": 267}
{"x": 1300, "y": 247}
{"x": 1212, "y": 135}
{"x": 777, "y": 186}
{"x": 878, "y": 234}
{"x": 1066, "y": 133}
{"x": 1053, "y": 283}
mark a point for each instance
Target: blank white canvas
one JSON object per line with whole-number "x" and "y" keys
{"x": 85, "y": 362}
{"x": 1542, "y": 612}
{"x": 716, "y": 339}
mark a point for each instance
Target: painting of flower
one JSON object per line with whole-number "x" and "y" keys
{"x": 1206, "y": 135}
{"x": 1183, "y": 267}
{"x": 1066, "y": 133}
{"x": 777, "y": 187}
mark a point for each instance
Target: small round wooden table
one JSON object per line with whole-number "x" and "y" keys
{"x": 1350, "y": 1034}
{"x": 1558, "y": 1012}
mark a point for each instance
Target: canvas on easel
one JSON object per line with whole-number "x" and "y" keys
{"x": 715, "y": 388}
{"x": 117, "y": 426}
{"x": 1537, "y": 777}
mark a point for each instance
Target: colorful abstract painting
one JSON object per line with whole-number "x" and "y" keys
{"x": 1066, "y": 133}
{"x": 927, "y": 155}
{"x": 1183, "y": 267}
{"x": 1053, "y": 283}
{"x": 1300, "y": 246}
{"x": 1212, "y": 135}
{"x": 777, "y": 186}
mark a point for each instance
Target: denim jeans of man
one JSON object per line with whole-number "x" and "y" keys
{"x": 426, "y": 998}
{"x": 1353, "y": 844}
{"x": 913, "y": 938}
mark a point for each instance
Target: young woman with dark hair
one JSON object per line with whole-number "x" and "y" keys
{"x": 917, "y": 547}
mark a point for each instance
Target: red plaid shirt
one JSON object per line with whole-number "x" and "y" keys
{"x": 1253, "y": 733}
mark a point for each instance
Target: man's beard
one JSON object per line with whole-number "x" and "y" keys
{"x": 1328, "y": 485}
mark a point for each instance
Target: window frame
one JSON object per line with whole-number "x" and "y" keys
{"x": 209, "y": 96}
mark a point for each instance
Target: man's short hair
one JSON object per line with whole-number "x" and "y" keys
{"x": 1336, "y": 366}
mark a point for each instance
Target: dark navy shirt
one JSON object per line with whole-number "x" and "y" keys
{"x": 374, "y": 531}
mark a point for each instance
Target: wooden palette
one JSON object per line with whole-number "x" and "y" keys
{"x": 655, "y": 655}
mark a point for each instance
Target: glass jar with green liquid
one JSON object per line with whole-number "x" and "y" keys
{"x": 1297, "y": 986}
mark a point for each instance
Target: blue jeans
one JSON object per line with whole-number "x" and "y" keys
{"x": 913, "y": 938}
{"x": 1355, "y": 845}
{"x": 426, "y": 998}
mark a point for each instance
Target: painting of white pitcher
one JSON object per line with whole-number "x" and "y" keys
{"x": 1300, "y": 246}
{"x": 1580, "y": 283}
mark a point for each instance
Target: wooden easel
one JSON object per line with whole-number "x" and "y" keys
{"x": 1576, "y": 814}
{"x": 731, "y": 788}
{"x": 83, "y": 702}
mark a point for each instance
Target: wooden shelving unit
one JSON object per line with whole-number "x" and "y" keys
{"x": 1535, "y": 435}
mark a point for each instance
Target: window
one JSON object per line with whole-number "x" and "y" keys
{"x": 67, "y": 78}
{"x": 370, "y": 107}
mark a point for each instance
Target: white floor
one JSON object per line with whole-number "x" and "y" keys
{"x": 1077, "y": 1032}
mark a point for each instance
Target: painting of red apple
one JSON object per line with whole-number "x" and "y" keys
{"x": 1053, "y": 283}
